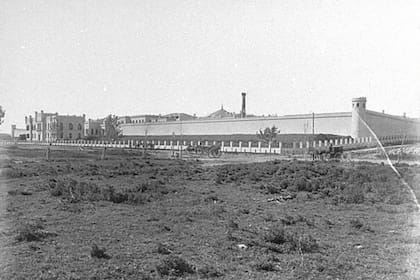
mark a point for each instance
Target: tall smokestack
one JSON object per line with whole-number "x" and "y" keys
{"x": 243, "y": 111}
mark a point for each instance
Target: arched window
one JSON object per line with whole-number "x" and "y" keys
{"x": 70, "y": 126}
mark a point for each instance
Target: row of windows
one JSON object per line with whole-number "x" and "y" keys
{"x": 92, "y": 131}
{"x": 51, "y": 126}
{"x": 79, "y": 135}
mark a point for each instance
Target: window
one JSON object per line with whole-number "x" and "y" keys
{"x": 91, "y": 131}
{"x": 96, "y": 131}
{"x": 357, "y": 104}
{"x": 70, "y": 126}
{"x": 61, "y": 135}
{"x": 79, "y": 136}
{"x": 79, "y": 127}
{"x": 70, "y": 136}
{"x": 27, "y": 127}
{"x": 27, "y": 135}
{"x": 61, "y": 127}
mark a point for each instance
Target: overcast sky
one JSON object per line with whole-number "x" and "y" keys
{"x": 135, "y": 57}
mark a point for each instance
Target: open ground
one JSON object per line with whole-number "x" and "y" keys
{"x": 135, "y": 216}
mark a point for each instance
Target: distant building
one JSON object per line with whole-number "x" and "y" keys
{"x": 94, "y": 129}
{"x": 179, "y": 116}
{"x": 18, "y": 133}
{"x": 220, "y": 114}
{"x": 52, "y": 127}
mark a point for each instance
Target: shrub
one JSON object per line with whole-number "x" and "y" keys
{"x": 356, "y": 223}
{"x": 174, "y": 266}
{"x": 304, "y": 243}
{"x": 265, "y": 265}
{"x": 354, "y": 193}
{"x": 277, "y": 235}
{"x": 32, "y": 231}
{"x": 163, "y": 249}
{"x": 99, "y": 253}
{"x": 208, "y": 271}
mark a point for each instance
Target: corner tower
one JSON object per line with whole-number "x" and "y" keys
{"x": 358, "y": 113}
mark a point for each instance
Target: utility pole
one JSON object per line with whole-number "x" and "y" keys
{"x": 180, "y": 122}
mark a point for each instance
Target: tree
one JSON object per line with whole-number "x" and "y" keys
{"x": 269, "y": 135}
{"x": 112, "y": 131}
{"x": 2, "y": 114}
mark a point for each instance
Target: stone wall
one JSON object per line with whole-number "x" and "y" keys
{"x": 329, "y": 123}
{"x": 387, "y": 125}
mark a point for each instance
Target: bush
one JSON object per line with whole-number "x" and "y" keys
{"x": 294, "y": 241}
{"x": 356, "y": 223}
{"x": 209, "y": 272}
{"x": 32, "y": 231}
{"x": 304, "y": 243}
{"x": 99, "y": 253}
{"x": 265, "y": 265}
{"x": 174, "y": 266}
{"x": 354, "y": 193}
{"x": 277, "y": 235}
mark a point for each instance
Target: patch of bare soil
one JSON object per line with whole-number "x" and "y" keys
{"x": 136, "y": 217}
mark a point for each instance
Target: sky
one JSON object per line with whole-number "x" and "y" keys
{"x": 102, "y": 57}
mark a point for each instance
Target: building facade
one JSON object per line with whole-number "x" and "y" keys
{"x": 94, "y": 129}
{"x": 52, "y": 126}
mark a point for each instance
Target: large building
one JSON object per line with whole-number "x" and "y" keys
{"x": 94, "y": 129}
{"x": 353, "y": 123}
{"x": 52, "y": 127}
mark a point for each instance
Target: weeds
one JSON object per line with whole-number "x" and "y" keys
{"x": 76, "y": 191}
{"x": 209, "y": 271}
{"x": 33, "y": 231}
{"x": 99, "y": 253}
{"x": 174, "y": 266}
{"x": 292, "y": 240}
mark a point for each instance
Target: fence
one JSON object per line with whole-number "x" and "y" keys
{"x": 259, "y": 147}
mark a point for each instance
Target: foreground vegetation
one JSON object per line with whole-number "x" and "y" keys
{"x": 131, "y": 217}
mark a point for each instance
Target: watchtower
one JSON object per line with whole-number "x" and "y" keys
{"x": 358, "y": 113}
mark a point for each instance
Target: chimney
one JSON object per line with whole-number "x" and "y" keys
{"x": 243, "y": 111}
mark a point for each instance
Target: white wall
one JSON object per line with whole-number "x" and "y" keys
{"x": 387, "y": 125}
{"x": 332, "y": 123}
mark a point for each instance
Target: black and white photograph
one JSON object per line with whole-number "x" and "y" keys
{"x": 209, "y": 139}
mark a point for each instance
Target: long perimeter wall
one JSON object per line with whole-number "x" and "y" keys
{"x": 332, "y": 123}
{"x": 352, "y": 124}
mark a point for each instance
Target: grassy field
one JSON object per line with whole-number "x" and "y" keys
{"x": 135, "y": 217}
